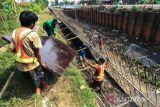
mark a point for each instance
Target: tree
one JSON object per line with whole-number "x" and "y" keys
{"x": 9, "y": 11}
{"x": 72, "y": 2}
{"x": 56, "y": 2}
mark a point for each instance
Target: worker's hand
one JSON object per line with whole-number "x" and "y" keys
{"x": 106, "y": 65}
{"x": 59, "y": 21}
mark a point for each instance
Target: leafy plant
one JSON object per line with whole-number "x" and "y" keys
{"x": 119, "y": 10}
{"x": 134, "y": 9}
{"x": 10, "y": 10}
{"x": 112, "y": 9}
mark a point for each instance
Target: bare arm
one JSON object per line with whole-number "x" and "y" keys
{"x": 12, "y": 47}
{"x": 38, "y": 56}
{"x": 89, "y": 63}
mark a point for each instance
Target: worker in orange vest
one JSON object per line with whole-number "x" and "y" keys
{"x": 99, "y": 73}
{"x": 26, "y": 44}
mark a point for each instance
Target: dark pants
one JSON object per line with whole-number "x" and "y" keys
{"x": 37, "y": 75}
{"x": 47, "y": 29}
{"x": 97, "y": 84}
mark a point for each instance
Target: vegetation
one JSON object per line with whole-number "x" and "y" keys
{"x": 9, "y": 10}
{"x": 82, "y": 92}
{"x": 66, "y": 2}
{"x": 56, "y": 2}
{"x": 134, "y": 9}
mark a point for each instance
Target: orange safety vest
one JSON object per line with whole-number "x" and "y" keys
{"x": 21, "y": 56}
{"x": 100, "y": 76}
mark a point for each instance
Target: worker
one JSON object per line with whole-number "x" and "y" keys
{"x": 100, "y": 42}
{"x": 26, "y": 44}
{"x": 101, "y": 45}
{"x": 82, "y": 55}
{"x": 95, "y": 39}
{"x": 99, "y": 73}
{"x": 50, "y": 26}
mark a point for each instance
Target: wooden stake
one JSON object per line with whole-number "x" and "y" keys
{"x": 82, "y": 49}
{"x": 72, "y": 38}
{"x": 68, "y": 34}
{"x": 64, "y": 28}
{"x": 85, "y": 68}
{"x": 6, "y": 84}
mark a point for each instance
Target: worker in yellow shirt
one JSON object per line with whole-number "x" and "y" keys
{"x": 26, "y": 44}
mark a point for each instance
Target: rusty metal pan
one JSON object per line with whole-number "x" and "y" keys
{"x": 55, "y": 54}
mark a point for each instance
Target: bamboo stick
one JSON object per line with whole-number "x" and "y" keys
{"x": 6, "y": 84}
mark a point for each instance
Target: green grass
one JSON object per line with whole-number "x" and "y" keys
{"x": 82, "y": 96}
{"x": 6, "y": 65}
{"x": 59, "y": 37}
{"x": 2, "y": 42}
{"x": 20, "y": 90}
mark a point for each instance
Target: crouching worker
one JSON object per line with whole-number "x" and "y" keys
{"x": 50, "y": 26}
{"x": 99, "y": 73}
{"x": 26, "y": 44}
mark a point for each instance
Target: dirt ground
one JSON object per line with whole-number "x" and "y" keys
{"x": 61, "y": 95}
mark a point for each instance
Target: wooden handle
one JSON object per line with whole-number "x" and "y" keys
{"x": 6, "y": 84}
